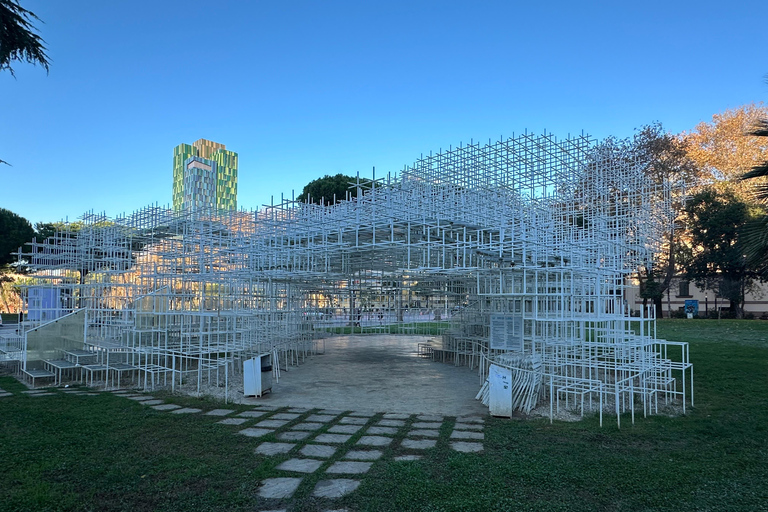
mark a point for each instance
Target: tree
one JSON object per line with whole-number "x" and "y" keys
{"x": 18, "y": 42}
{"x": 727, "y": 147}
{"x": 15, "y": 231}
{"x": 716, "y": 219}
{"x": 328, "y": 189}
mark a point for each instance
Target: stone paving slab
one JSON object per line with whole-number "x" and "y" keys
{"x": 129, "y": 396}
{"x": 152, "y": 402}
{"x": 426, "y": 424}
{"x": 219, "y": 412}
{"x": 293, "y": 435}
{"x": 265, "y": 407}
{"x": 424, "y": 433}
{"x": 139, "y": 398}
{"x": 420, "y": 444}
{"x": 322, "y": 451}
{"x": 165, "y": 407}
{"x": 402, "y": 458}
{"x": 363, "y": 455}
{"x": 271, "y": 423}
{"x": 466, "y": 447}
{"x": 323, "y": 418}
{"x": 300, "y": 465}
{"x": 187, "y": 410}
{"x": 335, "y": 488}
{"x": 307, "y": 426}
{"x": 353, "y": 421}
{"x": 299, "y": 410}
{"x": 391, "y": 423}
{"x": 33, "y": 391}
{"x": 382, "y": 430}
{"x": 396, "y": 416}
{"x": 468, "y": 426}
{"x": 375, "y": 441}
{"x": 41, "y": 394}
{"x": 255, "y": 432}
{"x": 73, "y": 392}
{"x": 252, "y": 414}
{"x": 344, "y": 429}
{"x": 6, "y": 394}
{"x": 466, "y": 434}
{"x": 274, "y": 448}
{"x": 362, "y": 414}
{"x": 429, "y": 417}
{"x": 91, "y": 394}
{"x": 335, "y": 412}
{"x": 279, "y": 488}
{"x": 284, "y": 416}
{"x": 349, "y": 467}
{"x": 470, "y": 419}
{"x": 332, "y": 438}
{"x": 233, "y": 421}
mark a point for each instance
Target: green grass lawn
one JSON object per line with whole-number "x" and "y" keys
{"x": 68, "y": 452}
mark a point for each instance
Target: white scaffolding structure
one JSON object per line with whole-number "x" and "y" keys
{"x": 526, "y": 243}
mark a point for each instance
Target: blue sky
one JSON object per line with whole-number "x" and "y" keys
{"x": 304, "y": 89}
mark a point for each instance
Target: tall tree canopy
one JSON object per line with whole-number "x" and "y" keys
{"x": 715, "y": 222}
{"x": 18, "y": 41}
{"x": 328, "y": 189}
{"x": 15, "y": 231}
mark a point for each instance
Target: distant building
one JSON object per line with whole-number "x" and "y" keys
{"x": 204, "y": 176}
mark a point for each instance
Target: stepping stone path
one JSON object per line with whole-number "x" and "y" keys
{"x": 5, "y": 393}
{"x": 331, "y": 442}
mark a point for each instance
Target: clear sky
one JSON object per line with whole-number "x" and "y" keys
{"x": 304, "y": 89}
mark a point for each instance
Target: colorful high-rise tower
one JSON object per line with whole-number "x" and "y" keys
{"x": 204, "y": 176}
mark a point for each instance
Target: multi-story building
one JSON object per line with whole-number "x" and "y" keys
{"x": 204, "y": 176}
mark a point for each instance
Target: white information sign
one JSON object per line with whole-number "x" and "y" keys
{"x": 500, "y": 391}
{"x": 507, "y": 332}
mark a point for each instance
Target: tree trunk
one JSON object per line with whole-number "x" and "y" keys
{"x": 659, "y": 307}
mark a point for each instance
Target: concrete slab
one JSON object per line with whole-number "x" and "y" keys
{"x": 152, "y": 402}
{"x": 382, "y": 430}
{"x": 271, "y": 423}
{"x": 299, "y": 410}
{"x": 187, "y": 410}
{"x": 466, "y": 447}
{"x": 139, "y": 398}
{"x": 321, "y": 451}
{"x": 374, "y": 373}
{"x": 466, "y": 434}
{"x": 284, "y": 416}
{"x": 255, "y": 432}
{"x": 91, "y": 394}
{"x": 334, "y": 412}
{"x": 362, "y": 414}
{"x": 424, "y": 433}
{"x": 353, "y": 421}
{"x": 375, "y": 441}
{"x": 335, "y": 488}
{"x": 363, "y": 455}
{"x": 233, "y": 421}
{"x": 293, "y": 435}
{"x": 219, "y": 412}
{"x": 323, "y": 418}
{"x": 426, "y": 424}
{"x": 279, "y": 488}
{"x": 166, "y": 407}
{"x": 470, "y": 419}
{"x": 42, "y": 394}
{"x": 391, "y": 423}
{"x": 33, "y": 391}
{"x": 469, "y": 426}
{"x": 251, "y": 414}
{"x": 6, "y": 394}
{"x": 263, "y": 407}
{"x": 332, "y": 438}
{"x": 300, "y": 465}
{"x": 273, "y": 448}
{"x": 420, "y": 444}
{"x": 396, "y": 416}
{"x": 349, "y": 467}
{"x": 128, "y": 396}
{"x": 73, "y": 392}
{"x": 404, "y": 458}
{"x": 307, "y": 426}
{"x": 429, "y": 417}
{"x": 344, "y": 429}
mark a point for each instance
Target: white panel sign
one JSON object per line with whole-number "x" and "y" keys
{"x": 507, "y": 332}
{"x": 500, "y": 391}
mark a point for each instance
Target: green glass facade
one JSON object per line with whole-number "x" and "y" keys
{"x": 191, "y": 161}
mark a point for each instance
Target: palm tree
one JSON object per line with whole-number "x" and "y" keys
{"x": 755, "y": 233}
